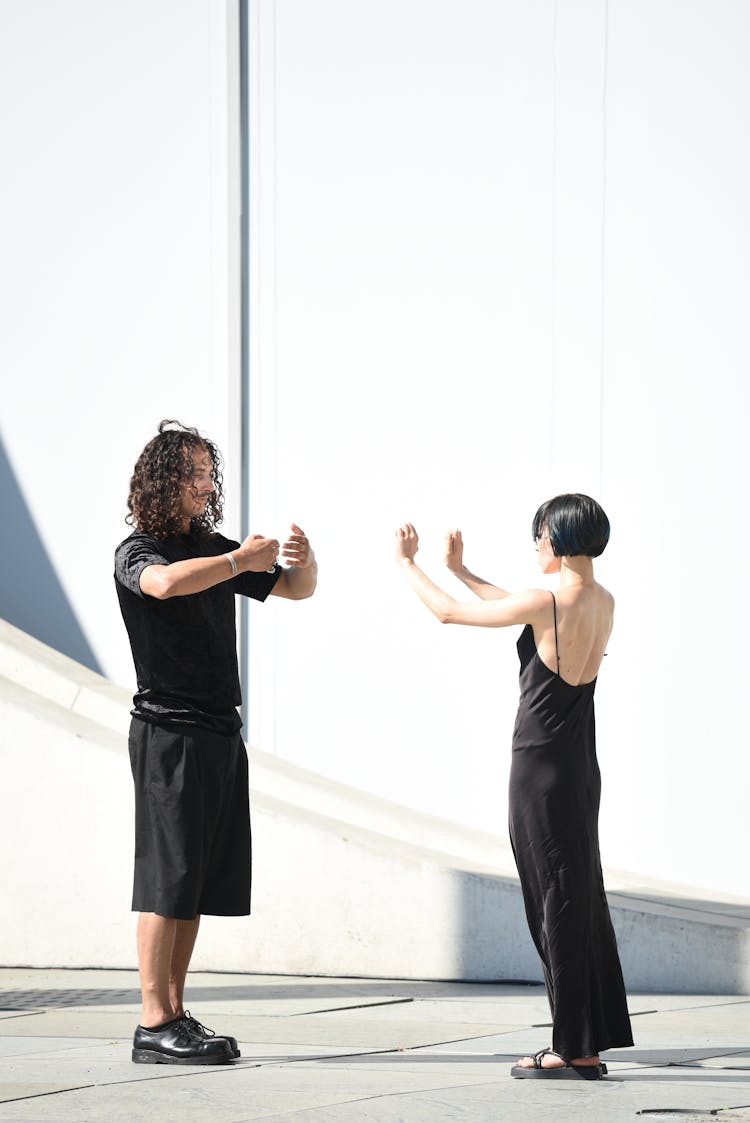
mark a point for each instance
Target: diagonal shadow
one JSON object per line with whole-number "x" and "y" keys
{"x": 667, "y": 1060}
{"x": 31, "y": 595}
{"x": 341, "y": 992}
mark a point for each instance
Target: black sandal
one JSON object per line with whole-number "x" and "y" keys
{"x": 567, "y": 1071}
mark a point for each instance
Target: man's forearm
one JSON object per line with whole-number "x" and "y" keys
{"x": 182, "y": 578}
{"x": 195, "y": 575}
{"x": 300, "y": 582}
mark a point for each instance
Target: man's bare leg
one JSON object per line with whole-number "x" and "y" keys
{"x": 186, "y": 932}
{"x": 156, "y": 942}
{"x": 164, "y": 948}
{"x": 185, "y": 935}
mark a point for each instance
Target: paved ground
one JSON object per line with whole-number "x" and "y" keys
{"x": 321, "y": 1050}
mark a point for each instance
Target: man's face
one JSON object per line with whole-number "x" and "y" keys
{"x": 195, "y": 492}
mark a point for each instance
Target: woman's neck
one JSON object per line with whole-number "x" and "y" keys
{"x": 577, "y": 570}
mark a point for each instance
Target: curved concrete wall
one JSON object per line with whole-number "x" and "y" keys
{"x": 344, "y": 883}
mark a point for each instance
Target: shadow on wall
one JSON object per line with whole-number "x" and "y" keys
{"x": 31, "y": 594}
{"x": 667, "y": 945}
{"x": 493, "y": 943}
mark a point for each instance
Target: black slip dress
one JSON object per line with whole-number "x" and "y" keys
{"x": 554, "y": 809}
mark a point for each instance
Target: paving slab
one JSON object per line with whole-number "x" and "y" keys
{"x": 239, "y": 1094}
{"x": 32, "y": 1046}
{"x": 738, "y": 1060}
{"x": 729, "y": 1025}
{"x": 76, "y": 1021}
{"x": 492, "y": 1012}
{"x": 358, "y": 1051}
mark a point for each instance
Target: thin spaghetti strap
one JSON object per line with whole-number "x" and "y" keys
{"x": 557, "y": 650}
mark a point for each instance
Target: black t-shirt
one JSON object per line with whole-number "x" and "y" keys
{"x": 184, "y": 648}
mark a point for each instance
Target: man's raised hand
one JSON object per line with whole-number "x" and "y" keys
{"x": 296, "y": 550}
{"x": 257, "y": 553}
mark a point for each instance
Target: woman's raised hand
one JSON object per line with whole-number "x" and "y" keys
{"x": 454, "y": 550}
{"x": 407, "y": 542}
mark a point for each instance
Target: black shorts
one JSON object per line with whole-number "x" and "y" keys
{"x": 192, "y": 821}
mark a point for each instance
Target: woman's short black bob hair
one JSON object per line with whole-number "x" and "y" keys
{"x": 576, "y": 525}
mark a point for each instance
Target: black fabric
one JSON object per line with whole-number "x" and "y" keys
{"x": 184, "y": 648}
{"x": 192, "y": 822}
{"x": 554, "y": 811}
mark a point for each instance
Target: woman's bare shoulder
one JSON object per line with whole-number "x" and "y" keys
{"x": 606, "y": 597}
{"x": 535, "y": 598}
{"x": 535, "y": 604}
{"x": 606, "y": 606}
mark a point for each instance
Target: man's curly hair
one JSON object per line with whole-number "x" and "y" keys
{"x": 165, "y": 463}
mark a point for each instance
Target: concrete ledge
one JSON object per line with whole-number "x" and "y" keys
{"x": 345, "y": 883}
{"x": 30, "y": 664}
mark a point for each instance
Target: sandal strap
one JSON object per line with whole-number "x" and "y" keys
{"x": 537, "y": 1058}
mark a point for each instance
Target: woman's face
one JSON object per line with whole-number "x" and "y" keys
{"x": 548, "y": 562}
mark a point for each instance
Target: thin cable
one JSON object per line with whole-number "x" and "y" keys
{"x": 602, "y": 279}
{"x": 555, "y": 426}
{"x": 244, "y": 334}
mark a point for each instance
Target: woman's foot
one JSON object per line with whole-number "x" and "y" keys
{"x": 548, "y": 1059}
{"x": 547, "y": 1063}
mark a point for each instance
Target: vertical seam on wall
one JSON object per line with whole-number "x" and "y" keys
{"x": 275, "y": 242}
{"x": 555, "y": 426}
{"x": 211, "y": 197}
{"x": 276, "y": 365}
{"x": 244, "y": 332}
{"x": 602, "y": 280}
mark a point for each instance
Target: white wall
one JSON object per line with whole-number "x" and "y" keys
{"x": 496, "y": 253}
{"x": 674, "y": 431}
{"x": 119, "y": 280}
{"x": 404, "y": 279}
{"x": 500, "y": 253}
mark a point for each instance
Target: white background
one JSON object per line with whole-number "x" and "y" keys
{"x": 117, "y": 201}
{"x": 502, "y": 254}
{"x": 498, "y": 251}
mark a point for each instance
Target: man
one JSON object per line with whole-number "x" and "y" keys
{"x": 176, "y": 580}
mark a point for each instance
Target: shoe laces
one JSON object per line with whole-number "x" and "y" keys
{"x": 196, "y": 1026}
{"x": 183, "y": 1031}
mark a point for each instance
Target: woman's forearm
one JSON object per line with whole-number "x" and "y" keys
{"x": 438, "y": 602}
{"x": 478, "y": 585}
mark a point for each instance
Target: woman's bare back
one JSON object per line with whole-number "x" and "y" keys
{"x": 584, "y": 624}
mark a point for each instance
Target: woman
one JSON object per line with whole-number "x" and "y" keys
{"x": 554, "y": 776}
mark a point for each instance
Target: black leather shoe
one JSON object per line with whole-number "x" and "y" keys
{"x": 177, "y": 1044}
{"x": 209, "y": 1034}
